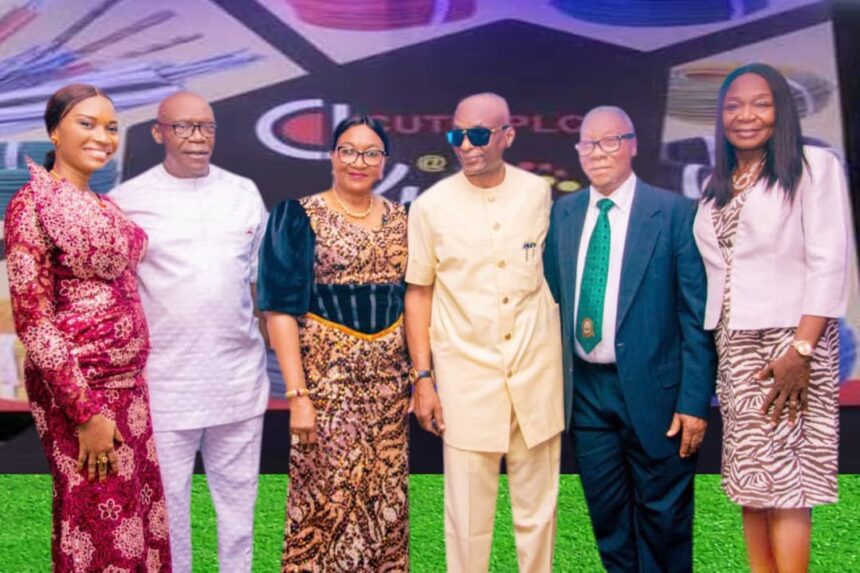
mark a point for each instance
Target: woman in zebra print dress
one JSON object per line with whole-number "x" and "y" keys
{"x": 773, "y": 231}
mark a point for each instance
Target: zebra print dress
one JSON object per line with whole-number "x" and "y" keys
{"x": 765, "y": 466}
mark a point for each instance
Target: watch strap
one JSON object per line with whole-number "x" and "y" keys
{"x": 416, "y": 375}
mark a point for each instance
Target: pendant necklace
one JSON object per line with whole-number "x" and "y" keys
{"x": 748, "y": 178}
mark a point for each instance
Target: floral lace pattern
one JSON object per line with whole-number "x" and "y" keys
{"x": 71, "y": 259}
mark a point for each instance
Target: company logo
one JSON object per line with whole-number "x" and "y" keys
{"x": 300, "y": 129}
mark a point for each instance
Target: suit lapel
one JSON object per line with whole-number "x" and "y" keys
{"x": 569, "y": 245}
{"x": 642, "y": 233}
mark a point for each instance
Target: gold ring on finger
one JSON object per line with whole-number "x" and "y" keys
{"x": 103, "y": 459}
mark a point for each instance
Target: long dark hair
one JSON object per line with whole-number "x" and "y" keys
{"x": 360, "y": 119}
{"x": 783, "y": 157}
{"x": 60, "y": 104}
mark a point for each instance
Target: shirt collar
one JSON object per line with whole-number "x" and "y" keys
{"x": 622, "y": 197}
{"x": 189, "y": 183}
{"x": 487, "y": 189}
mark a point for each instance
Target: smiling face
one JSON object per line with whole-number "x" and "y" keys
{"x": 607, "y": 171}
{"x": 489, "y": 111}
{"x": 357, "y": 177}
{"x": 87, "y": 136}
{"x": 748, "y": 113}
{"x": 185, "y": 157}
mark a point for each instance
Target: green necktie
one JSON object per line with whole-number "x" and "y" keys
{"x": 592, "y": 289}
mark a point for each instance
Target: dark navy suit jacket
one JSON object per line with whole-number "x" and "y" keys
{"x": 666, "y": 360}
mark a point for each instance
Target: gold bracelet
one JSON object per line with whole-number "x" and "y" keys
{"x": 297, "y": 392}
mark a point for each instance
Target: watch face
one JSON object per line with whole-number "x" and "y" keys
{"x": 803, "y": 347}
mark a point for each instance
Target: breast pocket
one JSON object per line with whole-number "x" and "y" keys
{"x": 233, "y": 240}
{"x": 525, "y": 255}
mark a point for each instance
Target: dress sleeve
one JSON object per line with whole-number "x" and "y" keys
{"x": 31, "y": 284}
{"x": 286, "y": 263}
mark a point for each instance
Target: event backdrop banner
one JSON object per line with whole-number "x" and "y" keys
{"x": 281, "y": 73}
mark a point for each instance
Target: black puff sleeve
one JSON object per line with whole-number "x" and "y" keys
{"x": 286, "y": 266}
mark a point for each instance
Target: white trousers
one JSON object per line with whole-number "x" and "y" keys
{"x": 231, "y": 458}
{"x": 471, "y": 486}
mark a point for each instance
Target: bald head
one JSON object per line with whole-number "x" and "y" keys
{"x": 185, "y": 127}
{"x": 491, "y": 107}
{"x": 184, "y": 103}
{"x": 609, "y": 114}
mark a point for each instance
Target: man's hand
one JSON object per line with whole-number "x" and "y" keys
{"x": 790, "y": 373}
{"x": 427, "y": 407}
{"x": 692, "y": 433}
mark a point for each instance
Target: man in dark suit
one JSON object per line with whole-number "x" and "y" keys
{"x": 639, "y": 369}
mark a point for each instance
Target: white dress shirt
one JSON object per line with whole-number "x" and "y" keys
{"x": 619, "y": 217}
{"x": 208, "y": 361}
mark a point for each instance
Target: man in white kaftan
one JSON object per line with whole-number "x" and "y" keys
{"x": 207, "y": 369}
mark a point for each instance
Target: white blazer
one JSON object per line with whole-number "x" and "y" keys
{"x": 790, "y": 259}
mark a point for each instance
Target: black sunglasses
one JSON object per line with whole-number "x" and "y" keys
{"x": 478, "y": 136}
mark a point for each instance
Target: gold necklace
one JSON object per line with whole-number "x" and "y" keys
{"x": 748, "y": 178}
{"x": 353, "y": 214}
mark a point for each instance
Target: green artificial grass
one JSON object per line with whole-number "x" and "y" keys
{"x": 25, "y": 528}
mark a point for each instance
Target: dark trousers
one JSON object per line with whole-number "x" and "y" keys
{"x": 641, "y": 508}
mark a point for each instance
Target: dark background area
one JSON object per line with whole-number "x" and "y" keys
{"x": 408, "y": 81}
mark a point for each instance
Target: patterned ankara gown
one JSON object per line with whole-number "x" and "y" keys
{"x": 347, "y": 507}
{"x": 72, "y": 260}
{"x": 765, "y": 467}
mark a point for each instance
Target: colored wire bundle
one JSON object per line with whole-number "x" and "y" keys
{"x": 648, "y": 13}
{"x": 28, "y": 78}
{"x": 693, "y": 91}
{"x": 364, "y": 15}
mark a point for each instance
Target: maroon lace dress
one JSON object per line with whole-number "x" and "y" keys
{"x": 71, "y": 259}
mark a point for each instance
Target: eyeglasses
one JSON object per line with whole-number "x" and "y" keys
{"x": 478, "y": 136}
{"x": 185, "y": 130}
{"x": 609, "y": 144}
{"x": 371, "y": 157}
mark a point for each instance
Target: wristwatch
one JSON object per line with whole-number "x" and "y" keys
{"x": 416, "y": 375}
{"x": 803, "y": 348}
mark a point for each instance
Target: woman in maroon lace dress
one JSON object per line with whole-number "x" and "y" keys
{"x": 71, "y": 257}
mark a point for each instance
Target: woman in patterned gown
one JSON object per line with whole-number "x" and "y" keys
{"x": 71, "y": 256}
{"x": 331, "y": 283}
{"x": 773, "y": 231}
